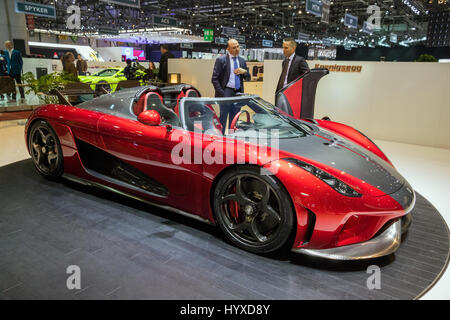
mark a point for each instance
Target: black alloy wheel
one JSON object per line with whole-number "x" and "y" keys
{"x": 45, "y": 150}
{"x": 254, "y": 211}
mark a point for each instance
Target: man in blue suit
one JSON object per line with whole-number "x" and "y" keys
{"x": 228, "y": 77}
{"x": 15, "y": 64}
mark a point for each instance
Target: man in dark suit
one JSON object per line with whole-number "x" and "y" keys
{"x": 293, "y": 65}
{"x": 228, "y": 77}
{"x": 164, "y": 62}
{"x": 15, "y": 64}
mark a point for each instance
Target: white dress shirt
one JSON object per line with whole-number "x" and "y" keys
{"x": 289, "y": 66}
{"x": 231, "y": 81}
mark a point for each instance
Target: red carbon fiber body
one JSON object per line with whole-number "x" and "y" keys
{"x": 294, "y": 95}
{"x": 332, "y": 209}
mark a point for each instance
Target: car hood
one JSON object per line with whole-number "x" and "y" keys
{"x": 334, "y": 151}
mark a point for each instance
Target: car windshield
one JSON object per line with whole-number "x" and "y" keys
{"x": 106, "y": 73}
{"x": 246, "y": 117}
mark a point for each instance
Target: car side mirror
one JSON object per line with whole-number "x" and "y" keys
{"x": 150, "y": 117}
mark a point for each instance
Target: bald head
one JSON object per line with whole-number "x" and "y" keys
{"x": 233, "y": 47}
{"x": 8, "y": 45}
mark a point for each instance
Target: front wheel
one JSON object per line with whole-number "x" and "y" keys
{"x": 254, "y": 211}
{"x": 45, "y": 150}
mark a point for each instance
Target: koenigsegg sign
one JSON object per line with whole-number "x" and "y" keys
{"x": 339, "y": 68}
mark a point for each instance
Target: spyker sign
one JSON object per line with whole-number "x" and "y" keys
{"x": 35, "y": 9}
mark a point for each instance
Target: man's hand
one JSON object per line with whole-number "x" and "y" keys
{"x": 239, "y": 71}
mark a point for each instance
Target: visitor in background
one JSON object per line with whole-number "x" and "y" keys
{"x": 293, "y": 65}
{"x": 129, "y": 72}
{"x": 150, "y": 72}
{"x": 81, "y": 66}
{"x": 164, "y": 62}
{"x": 68, "y": 64}
{"x": 15, "y": 65}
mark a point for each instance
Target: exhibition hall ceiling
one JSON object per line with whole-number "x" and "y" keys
{"x": 259, "y": 19}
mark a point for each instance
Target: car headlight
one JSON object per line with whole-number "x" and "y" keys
{"x": 333, "y": 182}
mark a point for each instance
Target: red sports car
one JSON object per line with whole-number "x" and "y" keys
{"x": 268, "y": 176}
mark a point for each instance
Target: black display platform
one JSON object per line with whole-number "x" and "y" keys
{"x": 130, "y": 250}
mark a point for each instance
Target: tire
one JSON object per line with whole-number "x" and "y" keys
{"x": 45, "y": 150}
{"x": 253, "y": 211}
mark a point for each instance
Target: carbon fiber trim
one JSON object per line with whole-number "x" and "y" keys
{"x": 346, "y": 157}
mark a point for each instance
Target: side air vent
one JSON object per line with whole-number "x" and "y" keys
{"x": 105, "y": 164}
{"x": 311, "y": 226}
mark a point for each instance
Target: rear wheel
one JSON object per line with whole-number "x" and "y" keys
{"x": 254, "y": 211}
{"x": 45, "y": 150}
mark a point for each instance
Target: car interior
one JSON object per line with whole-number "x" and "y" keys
{"x": 166, "y": 102}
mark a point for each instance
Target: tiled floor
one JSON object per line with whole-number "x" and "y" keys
{"x": 12, "y": 142}
{"x": 427, "y": 169}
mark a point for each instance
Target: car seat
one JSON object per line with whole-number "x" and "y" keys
{"x": 153, "y": 101}
{"x": 190, "y": 92}
{"x": 203, "y": 119}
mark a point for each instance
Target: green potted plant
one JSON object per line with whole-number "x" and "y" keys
{"x": 426, "y": 58}
{"x": 42, "y": 86}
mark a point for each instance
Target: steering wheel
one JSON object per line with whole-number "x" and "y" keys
{"x": 236, "y": 117}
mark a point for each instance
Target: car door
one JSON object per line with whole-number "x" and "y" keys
{"x": 297, "y": 98}
{"x": 145, "y": 151}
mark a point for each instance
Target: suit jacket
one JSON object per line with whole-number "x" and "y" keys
{"x": 297, "y": 68}
{"x": 15, "y": 62}
{"x": 164, "y": 66}
{"x": 221, "y": 74}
